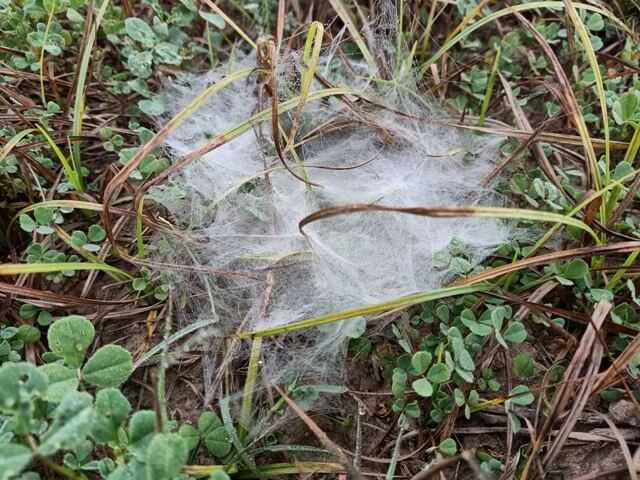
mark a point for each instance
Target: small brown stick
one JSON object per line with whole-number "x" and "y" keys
{"x": 320, "y": 435}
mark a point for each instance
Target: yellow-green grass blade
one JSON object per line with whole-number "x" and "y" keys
{"x": 371, "y": 309}
{"x": 78, "y": 104}
{"x": 32, "y": 268}
{"x": 72, "y": 174}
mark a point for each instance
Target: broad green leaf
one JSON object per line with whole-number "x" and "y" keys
{"x": 217, "y": 442}
{"x": 142, "y": 427}
{"x": 423, "y": 387}
{"x": 69, "y": 338}
{"x": 27, "y": 223}
{"x": 595, "y": 22}
{"x": 523, "y": 364}
{"x": 214, "y": 19}
{"x": 439, "y": 373}
{"x": 465, "y": 361}
{"x": 96, "y": 233}
{"x": 355, "y": 327}
{"x": 190, "y": 436}
{"x": 458, "y": 397}
{"x": 208, "y": 422}
{"x": 515, "y": 333}
{"x": 19, "y": 381}
{"x": 13, "y": 459}
{"x": 623, "y": 109}
{"x": 524, "y": 397}
{"x": 166, "y": 455}
{"x": 140, "y": 31}
{"x": 576, "y": 269}
{"x": 62, "y": 380}
{"x": 110, "y": 366}
{"x": 132, "y": 470}
{"x": 476, "y": 327}
{"x": 448, "y": 447}
{"x": 43, "y": 215}
{"x": 420, "y": 361}
{"x": 412, "y": 410}
{"x": 28, "y": 334}
{"x": 112, "y": 408}
{"x": 72, "y": 420}
{"x": 152, "y": 107}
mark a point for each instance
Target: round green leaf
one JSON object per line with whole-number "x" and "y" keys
{"x": 423, "y": 387}
{"x": 28, "y": 334}
{"x": 112, "y": 408}
{"x": 13, "y": 459}
{"x": 214, "y": 19}
{"x": 69, "y": 338}
{"x": 72, "y": 420}
{"x": 523, "y": 364}
{"x": 576, "y": 269}
{"x": 138, "y": 30}
{"x": 43, "y": 215}
{"x": 515, "y": 333}
{"x": 420, "y": 361}
{"x": 110, "y": 366}
{"x": 521, "y": 395}
{"x": 18, "y": 381}
{"x": 217, "y": 442}
{"x": 96, "y": 233}
{"x": 190, "y": 436}
{"x": 448, "y": 447}
{"x": 62, "y": 380}
{"x": 207, "y": 422}
{"x": 142, "y": 427}
{"x": 166, "y": 455}
{"x": 439, "y": 373}
{"x": 412, "y": 410}
{"x": 27, "y": 223}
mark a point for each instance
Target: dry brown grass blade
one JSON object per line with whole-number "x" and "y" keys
{"x": 272, "y": 54}
{"x": 523, "y": 124}
{"x": 617, "y": 368}
{"x": 570, "y": 103}
{"x": 555, "y": 138}
{"x": 62, "y": 300}
{"x": 579, "y": 400}
{"x": 466, "y": 455}
{"x": 569, "y": 254}
{"x": 536, "y": 296}
{"x": 320, "y": 435}
{"x": 632, "y": 466}
{"x": 566, "y": 390}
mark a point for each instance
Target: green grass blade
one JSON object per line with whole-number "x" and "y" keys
{"x": 31, "y": 268}
{"x": 371, "y": 309}
{"x": 72, "y": 175}
{"x": 78, "y": 105}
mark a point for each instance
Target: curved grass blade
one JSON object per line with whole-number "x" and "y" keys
{"x": 491, "y": 212}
